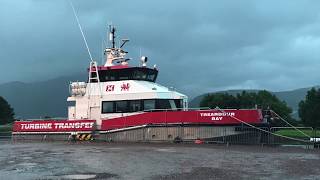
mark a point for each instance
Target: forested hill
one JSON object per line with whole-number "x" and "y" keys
{"x": 292, "y": 98}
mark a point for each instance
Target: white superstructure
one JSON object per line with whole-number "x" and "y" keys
{"x": 116, "y": 89}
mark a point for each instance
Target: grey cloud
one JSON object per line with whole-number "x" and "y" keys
{"x": 199, "y": 46}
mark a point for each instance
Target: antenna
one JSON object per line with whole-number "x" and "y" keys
{"x": 102, "y": 48}
{"x": 140, "y": 56}
{"x": 112, "y": 35}
{"x": 124, "y": 41}
{"x": 83, "y": 36}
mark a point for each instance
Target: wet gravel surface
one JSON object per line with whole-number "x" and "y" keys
{"x": 154, "y": 161}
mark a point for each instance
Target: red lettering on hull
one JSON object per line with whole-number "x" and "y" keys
{"x": 125, "y": 87}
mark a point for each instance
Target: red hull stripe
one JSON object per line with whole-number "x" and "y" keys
{"x": 217, "y": 117}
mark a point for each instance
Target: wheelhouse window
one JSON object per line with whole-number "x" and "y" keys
{"x": 139, "y": 74}
{"x": 108, "y": 76}
{"x": 151, "y": 75}
{"x": 124, "y": 74}
{"x": 135, "y": 73}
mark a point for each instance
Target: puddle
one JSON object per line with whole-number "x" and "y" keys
{"x": 28, "y": 165}
{"x": 79, "y": 176}
{"x": 38, "y": 152}
{"x": 113, "y": 148}
{"x": 68, "y": 152}
{"x": 299, "y": 146}
{"x": 95, "y": 151}
{"x": 56, "y": 153}
{"x": 26, "y": 158}
{"x": 166, "y": 150}
{"x": 85, "y": 176}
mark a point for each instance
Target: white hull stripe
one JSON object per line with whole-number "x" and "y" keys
{"x": 66, "y": 132}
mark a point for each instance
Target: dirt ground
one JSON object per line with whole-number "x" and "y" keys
{"x": 85, "y": 160}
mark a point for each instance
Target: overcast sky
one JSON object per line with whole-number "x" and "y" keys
{"x": 198, "y": 46}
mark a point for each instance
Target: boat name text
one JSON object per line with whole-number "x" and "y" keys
{"x": 217, "y": 116}
{"x": 57, "y": 125}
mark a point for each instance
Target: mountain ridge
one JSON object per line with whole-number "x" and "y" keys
{"x": 34, "y": 99}
{"x": 48, "y": 98}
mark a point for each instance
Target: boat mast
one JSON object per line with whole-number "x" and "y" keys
{"x": 112, "y": 35}
{"x": 115, "y": 54}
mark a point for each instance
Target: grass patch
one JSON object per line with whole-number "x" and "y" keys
{"x": 296, "y": 134}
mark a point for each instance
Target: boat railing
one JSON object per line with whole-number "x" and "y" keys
{"x": 185, "y": 109}
{"x": 44, "y": 119}
{"x": 177, "y": 109}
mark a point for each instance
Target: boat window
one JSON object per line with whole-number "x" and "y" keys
{"x": 151, "y": 76}
{"x": 135, "y": 106}
{"x": 172, "y": 104}
{"x": 135, "y": 73}
{"x": 107, "y": 107}
{"x": 178, "y": 103}
{"x": 124, "y": 74}
{"x": 139, "y": 74}
{"x": 163, "y": 104}
{"x": 126, "y": 106}
{"x": 121, "y": 106}
{"x": 149, "y": 104}
{"x": 108, "y": 75}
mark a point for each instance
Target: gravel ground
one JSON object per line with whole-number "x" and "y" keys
{"x": 155, "y": 161}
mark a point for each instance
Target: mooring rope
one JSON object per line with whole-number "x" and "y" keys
{"x": 279, "y": 135}
{"x": 291, "y": 125}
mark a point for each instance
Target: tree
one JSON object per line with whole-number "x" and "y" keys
{"x": 6, "y": 112}
{"x": 221, "y": 100}
{"x": 262, "y": 99}
{"x": 309, "y": 109}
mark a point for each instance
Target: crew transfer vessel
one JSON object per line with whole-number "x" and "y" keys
{"x": 118, "y": 98}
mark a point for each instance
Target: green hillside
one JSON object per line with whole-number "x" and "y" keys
{"x": 292, "y": 98}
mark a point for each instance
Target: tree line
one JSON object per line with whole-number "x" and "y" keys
{"x": 6, "y": 112}
{"x": 309, "y": 109}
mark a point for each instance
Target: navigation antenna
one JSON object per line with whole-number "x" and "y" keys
{"x": 83, "y": 36}
{"x": 93, "y": 68}
{"x": 112, "y": 35}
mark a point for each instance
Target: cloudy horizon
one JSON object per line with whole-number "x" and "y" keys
{"x": 198, "y": 47}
